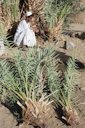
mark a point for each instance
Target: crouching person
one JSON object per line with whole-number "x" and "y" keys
{"x": 24, "y": 34}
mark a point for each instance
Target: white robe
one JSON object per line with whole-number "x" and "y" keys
{"x": 24, "y": 34}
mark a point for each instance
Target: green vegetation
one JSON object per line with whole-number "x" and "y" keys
{"x": 64, "y": 94}
{"x": 25, "y": 79}
{"x": 10, "y": 16}
{"x": 56, "y": 12}
{"x": 11, "y": 10}
{"x": 2, "y": 30}
{"x": 29, "y": 77}
{"x": 53, "y": 13}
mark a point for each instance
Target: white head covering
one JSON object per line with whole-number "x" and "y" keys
{"x": 28, "y": 13}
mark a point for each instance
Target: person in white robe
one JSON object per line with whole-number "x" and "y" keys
{"x": 24, "y": 34}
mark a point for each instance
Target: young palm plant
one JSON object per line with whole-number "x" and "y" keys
{"x": 67, "y": 91}
{"x": 24, "y": 78}
{"x": 64, "y": 93}
{"x": 56, "y": 12}
{"x": 3, "y": 34}
{"x": 10, "y": 10}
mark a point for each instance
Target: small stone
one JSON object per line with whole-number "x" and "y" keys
{"x": 69, "y": 45}
{"x": 83, "y": 88}
{"x": 7, "y": 120}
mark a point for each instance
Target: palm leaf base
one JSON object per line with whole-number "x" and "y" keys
{"x": 34, "y": 112}
{"x": 71, "y": 116}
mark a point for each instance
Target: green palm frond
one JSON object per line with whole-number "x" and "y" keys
{"x": 66, "y": 88}
{"x": 11, "y": 9}
{"x": 25, "y": 77}
{"x": 57, "y": 11}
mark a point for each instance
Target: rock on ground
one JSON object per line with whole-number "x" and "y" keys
{"x": 7, "y": 120}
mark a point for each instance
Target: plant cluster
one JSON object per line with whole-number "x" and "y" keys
{"x": 25, "y": 79}
{"x": 56, "y": 12}
{"x": 32, "y": 79}
{"x": 50, "y": 15}
{"x": 10, "y": 10}
{"x": 65, "y": 93}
